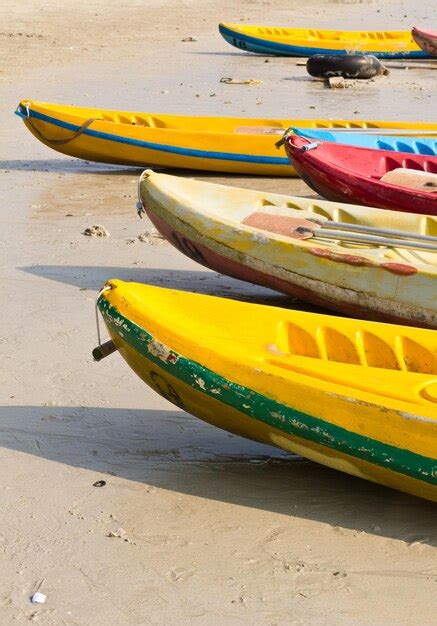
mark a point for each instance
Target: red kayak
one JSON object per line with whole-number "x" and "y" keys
{"x": 380, "y": 178}
{"x": 426, "y": 39}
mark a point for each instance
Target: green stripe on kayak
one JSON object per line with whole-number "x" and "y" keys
{"x": 267, "y": 410}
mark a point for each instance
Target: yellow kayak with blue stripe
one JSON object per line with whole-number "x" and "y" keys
{"x": 357, "y": 396}
{"x": 305, "y": 42}
{"x": 221, "y": 144}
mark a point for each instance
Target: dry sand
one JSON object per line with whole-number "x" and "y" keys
{"x": 216, "y": 529}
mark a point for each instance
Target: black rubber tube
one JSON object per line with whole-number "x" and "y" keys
{"x": 347, "y": 66}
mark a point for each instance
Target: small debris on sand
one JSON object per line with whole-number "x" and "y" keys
{"x": 189, "y": 39}
{"x": 38, "y": 598}
{"x": 96, "y": 231}
{"x": 151, "y": 237}
{"x": 337, "y": 82}
{"x": 99, "y": 483}
{"x": 119, "y": 533}
{"x": 240, "y": 81}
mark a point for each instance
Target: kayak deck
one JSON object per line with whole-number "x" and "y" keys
{"x": 225, "y": 144}
{"x": 307, "y": 41}
{"x": 352, "y": 395}
{"x": 255, "y": 236}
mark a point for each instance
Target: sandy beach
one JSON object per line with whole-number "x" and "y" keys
{"x": 193, "y": 525}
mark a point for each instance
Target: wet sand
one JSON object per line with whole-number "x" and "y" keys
{"x": 216, "y": 529}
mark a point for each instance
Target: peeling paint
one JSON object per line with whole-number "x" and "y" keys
{"x": 158, "y": 349}
{"x": 278, "y": 416}
{"x": 224, "y": 239}
{"x": 259, "y": 238}
{"x": 200, "y": 382}
{"x": 295, "y": 423}
{"x": 349, "y": 259}
{"x": 400, "y": 268}
{"x": 418, "y": 418}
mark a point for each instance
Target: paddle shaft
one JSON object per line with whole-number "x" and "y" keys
{"x": 326, "y": 233}
{"x": 373, "y": 230}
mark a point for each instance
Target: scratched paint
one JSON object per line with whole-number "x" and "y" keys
{"x": 378, "y": 282}
{"x": 386, "y": 457}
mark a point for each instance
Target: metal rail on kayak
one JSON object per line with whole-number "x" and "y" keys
{"x": 372, "y": 235}
{"x": 377, "y": 131}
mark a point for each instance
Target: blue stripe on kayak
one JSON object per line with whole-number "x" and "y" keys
{"x": 414, "y": 145}
{"x": 255, "y": 44}
{"x": 189, "y": 152}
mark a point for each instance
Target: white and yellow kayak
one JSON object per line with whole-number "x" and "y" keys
{"x": 361, "y": 261}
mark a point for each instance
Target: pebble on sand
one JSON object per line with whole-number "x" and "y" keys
{"x": 38, "y": 598}
{"x": 96, "y": 231}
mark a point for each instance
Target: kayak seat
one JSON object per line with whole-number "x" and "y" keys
{"x": 278, "y": 224}
{"x": 412, "y": 179}
{"x": 364, "y": 348}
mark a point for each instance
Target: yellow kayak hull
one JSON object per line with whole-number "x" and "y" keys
{"x": 360, "y": 397}
{"x": 208, "y": 223}
{"x": 306, "y": 42}
{"x": 221, "y": 144}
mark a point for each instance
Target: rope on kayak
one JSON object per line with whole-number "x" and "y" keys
{"x": 103, "y": 349}
{"x": 288, "y": 133}
{"x": 99, "y": 337}
{"x": 284, "y": 137}
{"x": 57, "y": 142}
{"x": 139, "y": 205}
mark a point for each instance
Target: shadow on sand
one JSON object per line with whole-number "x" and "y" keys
{"x": 67, "y": 166}
{"x": 175, "y": 451}
{"x": 80, "y": 166}
{"x": 94, "y": 277}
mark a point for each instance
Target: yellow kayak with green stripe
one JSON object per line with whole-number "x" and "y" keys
{"x": 221, "y": 144}
{"x": 357, "y": 396}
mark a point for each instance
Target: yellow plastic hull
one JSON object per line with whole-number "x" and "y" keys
{"x": 219, "y": 144}
{"x": 249, "y": 369}
{"x": 206, "y": 222}
{"x": 309, "y": 41}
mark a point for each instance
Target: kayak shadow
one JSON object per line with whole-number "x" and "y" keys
{"x": 174, "y": 451}
{"x": 80, "y": 167}
{"x": 205, "y": 282}
{"x": 301, "y": 79}
{"x": 66, "y": 166}
{"x": 222, "y": 53}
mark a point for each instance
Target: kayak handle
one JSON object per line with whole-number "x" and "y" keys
{"x": 57, "y": 142}
{"x": 107, "y": 348}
